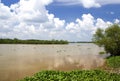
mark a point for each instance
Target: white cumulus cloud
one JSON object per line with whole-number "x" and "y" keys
{"x": 29, "y": 19}
{"x": 90, "y": 3}
{"x": 85, "y": 27}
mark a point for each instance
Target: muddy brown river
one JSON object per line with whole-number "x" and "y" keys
{"x": 20, "y": 60}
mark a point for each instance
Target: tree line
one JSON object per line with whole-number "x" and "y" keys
{"x": 31, "y": 41}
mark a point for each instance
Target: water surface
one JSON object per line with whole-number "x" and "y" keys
{"x": 20, "y": 60}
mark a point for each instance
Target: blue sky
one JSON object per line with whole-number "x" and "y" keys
{"x": 70, "y": 13}
{"x": 56, "y": 19}
{"x": 9, "y": 2}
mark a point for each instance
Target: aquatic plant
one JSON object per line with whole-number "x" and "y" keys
{"x": 102, "y": 52}
{"x": 78, "y": 75}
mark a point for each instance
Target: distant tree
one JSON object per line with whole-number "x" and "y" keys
{"x": 31, "y": 41}
{"x": 109, "y": 39}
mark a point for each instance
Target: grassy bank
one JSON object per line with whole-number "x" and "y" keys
{"x": 113, "y": 62}
{"x": 32, "y": 41}
{"x": 79, "y": 75}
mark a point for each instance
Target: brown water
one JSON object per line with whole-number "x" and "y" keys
{"x": 18, "y": 61}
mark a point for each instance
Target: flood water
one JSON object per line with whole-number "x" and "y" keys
{"x": 20, "y": 60}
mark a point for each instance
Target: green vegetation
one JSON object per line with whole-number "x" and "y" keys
{"x": 32, "y": 41}
{"x": 82, "y": 75}
{"x": 109, "y": 39}
{"x": 102, "y": 52}
{"x": 113, "y": 62}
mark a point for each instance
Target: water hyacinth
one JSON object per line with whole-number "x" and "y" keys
{"x": 77, "y": 75}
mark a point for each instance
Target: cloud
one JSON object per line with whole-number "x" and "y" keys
{"x": 112, "y": 13}
{"x": 117, "y": 21}
{"x": 31, "y": 10}
{"x": 87, "y": 3}
{"x": 90, "y": 3}
{"x": 85, "y": 27}
{"x": 29, "y": 19}
{"x": 5, "y": 12}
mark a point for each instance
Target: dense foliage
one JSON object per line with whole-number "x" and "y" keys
{"x": 17, "y": 41}
{"x": 114, "y": 62}
{"x": 109, "y": 39}
{"x": 82, "y": 75}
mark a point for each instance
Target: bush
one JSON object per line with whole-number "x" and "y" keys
{"x": 113, "y": 62}
{"x": 82, "y": 75}
{"x": 109, "y": 39}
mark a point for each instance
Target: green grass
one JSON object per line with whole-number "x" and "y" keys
{"x": 79, "y": 75}
{"x": 113, "y": 62}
